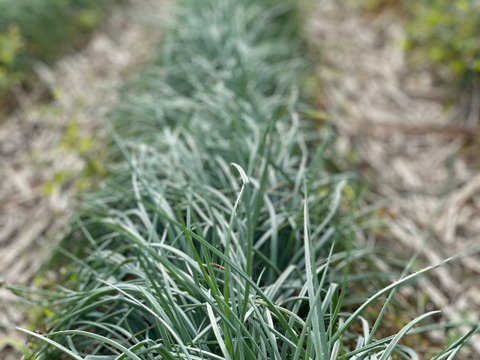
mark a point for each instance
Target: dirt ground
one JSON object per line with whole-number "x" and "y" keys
{"x": 416, "y": 156}
{"x": 36, "y": 154}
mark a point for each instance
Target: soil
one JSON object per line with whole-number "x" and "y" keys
{"x": 418, "y": 157}
{"x": 36, "y": 154}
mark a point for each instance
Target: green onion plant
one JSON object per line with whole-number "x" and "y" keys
{"x": 221, "y": 234}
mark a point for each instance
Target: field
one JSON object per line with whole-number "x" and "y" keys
{"x": 228, "y": 222}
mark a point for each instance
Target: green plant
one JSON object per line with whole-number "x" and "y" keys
{"x": 11, "y": 44}
{"x": 444, "y": 34}
{"x": 88, "y": 154}
{"x": 220, "y": 235}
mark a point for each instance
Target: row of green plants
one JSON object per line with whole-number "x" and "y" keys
{"x": 224, "y": 230}
{"x": 442, "y": 36}
{"x": 41, "y": 30}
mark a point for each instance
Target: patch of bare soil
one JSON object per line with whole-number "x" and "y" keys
{"x": 408, "y": 148}
{"x": 31, "y": 154}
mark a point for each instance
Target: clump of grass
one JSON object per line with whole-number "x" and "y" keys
{"x": 221, "y": 236}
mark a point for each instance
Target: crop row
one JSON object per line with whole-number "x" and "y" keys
{"x": 224, "y": 231}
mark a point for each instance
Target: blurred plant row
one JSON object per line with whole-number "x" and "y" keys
{"x": 41, "y": 30}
